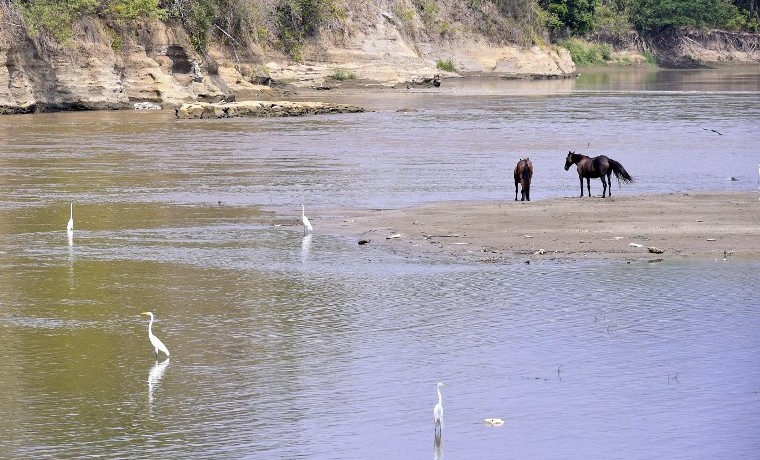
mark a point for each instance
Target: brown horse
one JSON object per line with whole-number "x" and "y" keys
{"x": 523, "y": 174}
{"x": 600, "y": 167}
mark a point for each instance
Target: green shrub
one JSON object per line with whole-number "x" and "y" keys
{"x": 341, "y": 75}
{"x": 650, "y": 58}
{"x": 653, "y": 16}
{"x": 445, "y": 65}
{"x": 55, "y": 18}
{"x": 133, "y": 9}
{"x": 587, "y": 54}
{"x": 427, "y": 9}
{"x": 297, "y": 20}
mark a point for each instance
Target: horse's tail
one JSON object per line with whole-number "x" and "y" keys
{"x": 620, "y": 172}
{"x": 527, "y": 172}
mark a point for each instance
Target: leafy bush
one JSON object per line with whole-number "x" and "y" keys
{"x": 650, "y": 58}
{"x": 427, "y": 8}
{"x": 653, "y": 16}
{"x": 133, "y": 9}
{"x": 298, "y": 19}
{"x": 587, "y": 54}
{"x": 341, "y": 75}
{"x": 446, "y": 65}
{"x": 55, "y": 18}
{"x": 574, "y": 16}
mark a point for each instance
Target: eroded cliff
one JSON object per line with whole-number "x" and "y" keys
{"x": 109, "y": 66}
{"x": 154, "y": 61}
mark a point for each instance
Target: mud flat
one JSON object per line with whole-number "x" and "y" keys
{"x": 716, "y": 225}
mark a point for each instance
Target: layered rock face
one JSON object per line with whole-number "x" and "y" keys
{"x": 156, "y": 64}
{"x": 153, "y": 61}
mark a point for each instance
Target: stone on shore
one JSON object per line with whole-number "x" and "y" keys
{"x": 262, "y": 109}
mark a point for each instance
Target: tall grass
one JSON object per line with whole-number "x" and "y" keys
{"x": 587, "y": 54}
{"x": 445, "y": 65}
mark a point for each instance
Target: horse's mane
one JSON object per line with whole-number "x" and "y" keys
{"x": 579, "y": 156}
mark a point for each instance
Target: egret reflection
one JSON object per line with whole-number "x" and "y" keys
{"x": 305, "y": 247}
{"x": 70, "y": 225}
{"x": 438, "y": 450}
{"x": 154, "y": 377}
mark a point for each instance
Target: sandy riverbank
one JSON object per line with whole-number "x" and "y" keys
{"x": 683, "y": 225}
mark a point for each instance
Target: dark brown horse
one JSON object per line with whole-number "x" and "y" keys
{"x": 600, "y": 167}
{"x": 523, "y": 174}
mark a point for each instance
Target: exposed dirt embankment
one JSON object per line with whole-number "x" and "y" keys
{"x": 695, "y": 48}
{"x": 104, "y": 68}
{"x": 689, "y": 48}
{"x": 108, "y": 66}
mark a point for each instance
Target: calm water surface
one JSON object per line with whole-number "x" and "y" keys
{"x": 285, "y": 346}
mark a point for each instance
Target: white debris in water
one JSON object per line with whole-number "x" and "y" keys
{"x": 146, "y": 106}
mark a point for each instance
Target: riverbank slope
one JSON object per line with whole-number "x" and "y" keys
{"x": 115, "y": 65}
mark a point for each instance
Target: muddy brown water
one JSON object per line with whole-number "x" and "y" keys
{"x": 285, "y": 346}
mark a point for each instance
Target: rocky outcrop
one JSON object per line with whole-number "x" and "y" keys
{"x": 113, "y": 66}
{"x": 261, "y": 109}
{"x": 105, "y": 67}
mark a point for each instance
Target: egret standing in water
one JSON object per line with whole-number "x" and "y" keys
{"x": 158, "y": 345}
{"x": 438, "y": 413}
{"x": 306, "y": 224}
{"x": 70, "y": 225}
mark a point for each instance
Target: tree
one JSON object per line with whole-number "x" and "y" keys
{"x": 654, "y": 16}
{"x": 573, "y": 16}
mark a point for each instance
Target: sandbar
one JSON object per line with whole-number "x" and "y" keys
{"x": 653, "y": 228}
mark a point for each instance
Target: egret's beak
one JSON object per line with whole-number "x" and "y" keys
{"x": 144, "y": 313}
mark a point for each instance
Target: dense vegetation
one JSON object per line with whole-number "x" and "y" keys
{"x": 287, "y": 24}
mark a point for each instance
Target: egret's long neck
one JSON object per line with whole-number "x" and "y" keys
{"x": 72, "y": 210}
{"x": 440, "y": 400}
{"x": 303, "y": 211}
{"x": 150, "y": 326}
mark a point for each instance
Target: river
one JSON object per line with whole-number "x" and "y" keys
{"x": 291, "y": 346}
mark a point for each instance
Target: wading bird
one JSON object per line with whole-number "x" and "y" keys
{"x": 306, "y": 224}
{"x": 70, "y": 225}
{"x": 158, "y": 345}
{"x": 438, "y": 412}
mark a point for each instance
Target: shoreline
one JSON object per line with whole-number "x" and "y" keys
{"x": 684, "y": 225}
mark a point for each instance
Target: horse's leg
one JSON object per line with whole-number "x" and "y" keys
{"x": 581, "y": 179}
{"x": 609, "y": 183}
{"x": 588, "y": 186}
{"x": 516, "y": 183}
{"x": 604, "y": 186}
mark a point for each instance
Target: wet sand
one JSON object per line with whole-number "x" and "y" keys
{"x": 714, "y": 225}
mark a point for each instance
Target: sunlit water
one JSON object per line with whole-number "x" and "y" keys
{"x": 285, "y": 346}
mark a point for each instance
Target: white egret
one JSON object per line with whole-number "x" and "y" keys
{"x": 70, "y": 225}
{"x": 158, "y": 345}
{"x": 306, "y": 224}
{"x": 493, "y": 421}
{"x": 438, "y": 411}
